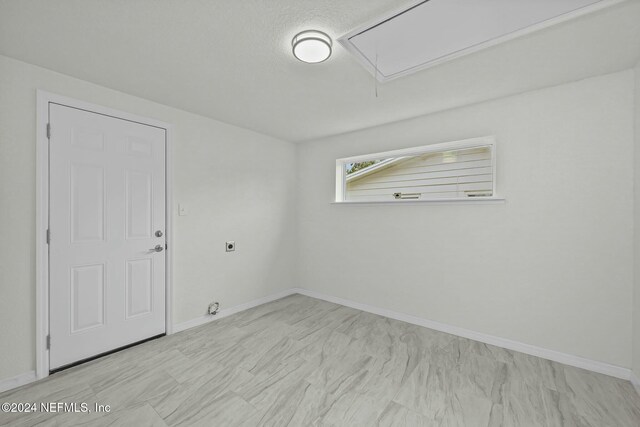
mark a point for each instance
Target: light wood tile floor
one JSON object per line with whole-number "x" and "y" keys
{"x": 300, "y": 361}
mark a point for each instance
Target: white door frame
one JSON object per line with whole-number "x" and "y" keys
{"x": 42, "y": 214}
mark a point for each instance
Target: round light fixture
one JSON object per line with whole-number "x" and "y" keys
{"x": 311, "y": 46}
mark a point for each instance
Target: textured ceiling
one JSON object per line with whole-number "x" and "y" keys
{"x": 230, "y": 59}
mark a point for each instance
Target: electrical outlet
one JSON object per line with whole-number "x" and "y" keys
{"x": 213, "y": 308}
{"x": 230, "y": 245}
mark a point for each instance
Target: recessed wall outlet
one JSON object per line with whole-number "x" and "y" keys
{"x": 213, "y": 307}
{"x": 231, "y": 245}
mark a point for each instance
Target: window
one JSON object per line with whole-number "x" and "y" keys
{"x": 461, "y": 170}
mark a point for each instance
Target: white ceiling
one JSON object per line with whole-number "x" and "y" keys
{"x": 230, "y": 59}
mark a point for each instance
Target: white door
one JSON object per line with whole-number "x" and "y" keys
{"x": 107, "y": 225}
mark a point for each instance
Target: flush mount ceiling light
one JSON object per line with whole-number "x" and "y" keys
{"x": 311, "y": 46}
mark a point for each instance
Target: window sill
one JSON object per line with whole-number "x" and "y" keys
{"x": 478, "y": 201}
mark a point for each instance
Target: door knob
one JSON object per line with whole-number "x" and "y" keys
{"x": 158, "y": 248}
{"x": 158, "y": 233}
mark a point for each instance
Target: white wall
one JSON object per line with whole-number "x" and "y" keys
{"x": 551, "y": 267}
{"x": 636, "y": 293}
{"x": 238, "y": 185}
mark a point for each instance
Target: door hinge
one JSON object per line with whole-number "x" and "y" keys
{"x": 48, "y": 130}
{"x": 48, "y": 236}
{"x": 48, "y": 342}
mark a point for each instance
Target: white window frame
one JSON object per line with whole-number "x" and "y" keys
{"x": 490, "y": 141}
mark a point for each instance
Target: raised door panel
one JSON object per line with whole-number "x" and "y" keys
{"x": 139, "y": 287}
{"x": 139, "y": 200}
{"x": 87, "y": 139}
{"x": 87, "y": 297}
{"x": 87, "y": 203}
{"x": 139, "y": 147}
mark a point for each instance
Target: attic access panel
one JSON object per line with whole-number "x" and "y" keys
{"x": 433, "y": 31}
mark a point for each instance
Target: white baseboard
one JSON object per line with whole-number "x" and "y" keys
{"x": 556, "y": 356}
{"x": 17, "y": 381}
{"x": 231, "y": 310}
{"x": 635, "y": 381}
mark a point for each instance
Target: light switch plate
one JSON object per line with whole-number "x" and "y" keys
{"x": 182, "y": 210}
